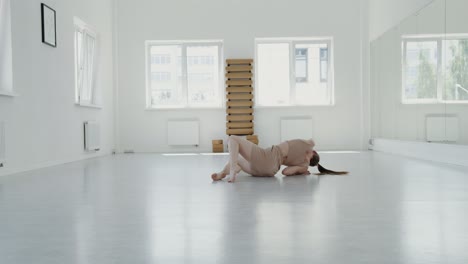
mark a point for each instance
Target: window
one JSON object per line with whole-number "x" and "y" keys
{"x": 292, "y": 72}
{"x": 85, "y": 57}
{"x": 323, "y": 64}
{"x": 184, "y": 74}
{"x": 160, "y": 76}
{"x": 202, "y": 60}
{"x": 456, "y": 70}
{"x": 434, "y": 69}
{"x": 160, "y": 59}
{"x": 301, "y": 66}
{"x": 6, "y": 61}
{"x": 421, "y": 67}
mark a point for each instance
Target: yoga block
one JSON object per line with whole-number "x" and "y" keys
{"x": 218, "y": 148}
{"x": 252, "y": 137}
{"x": 254, "y": 141}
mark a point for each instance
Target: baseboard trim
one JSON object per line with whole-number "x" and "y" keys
{"x": 10, "y": 171}
{"x": 446, "y": 153}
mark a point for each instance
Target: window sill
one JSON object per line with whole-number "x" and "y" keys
{"x": 435, "y": 103}
{"x": 293, "y": 106}
{"x": 183, "y": 108}
{"x": 8, "y": 94}
{"x": 95, "y": 106}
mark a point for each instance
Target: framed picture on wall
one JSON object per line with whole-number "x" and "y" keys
{"x": 49, "y": 32}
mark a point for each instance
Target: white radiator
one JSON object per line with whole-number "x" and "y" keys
{"x": 301, "y": 127}
{"x": 441, "y": 128}
{"x": 92, "y": 136}
{"x": 2, "y": 144}
{"x": 183, "y": 132}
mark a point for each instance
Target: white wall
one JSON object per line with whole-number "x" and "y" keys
{"x": 43, "y": 124}
{"x": 238, "y": 23}
{"x": 385, "y": 14}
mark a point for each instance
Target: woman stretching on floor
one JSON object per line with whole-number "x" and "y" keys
{"x": 297, "y": 154}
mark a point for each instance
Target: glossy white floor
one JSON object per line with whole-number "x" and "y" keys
{"x": 165, "y": 209}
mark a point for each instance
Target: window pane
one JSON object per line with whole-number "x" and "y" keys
{"x": 203, "y": 76}
{"x": 456, "y": 70}
{"x": 301, "y": 65}
{"x": 86, "y": 91}
{"x": 421, "y": 70}
{"x": 273, "y": 74}
{"x": 324, "y": 64}
{"x": 161, "y": 59}
{"x": 315, "y": 89}
{"x": 166, "y": 76}
{"x": 78, "y": 62}
{"x": 91, "y": 55}
{"x": 79, "y": 49}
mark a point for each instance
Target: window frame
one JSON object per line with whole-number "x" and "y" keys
{"x": 86, "y": 30}
{"x": 439, "y": 38}
{"x": 184, "y": 44}
{"x": 292, "y": 71}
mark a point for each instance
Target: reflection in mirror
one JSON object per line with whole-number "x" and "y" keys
{"x": 456, "y": 71}
{"x": 420, "y": 63}
{"x": 409, "y": 72}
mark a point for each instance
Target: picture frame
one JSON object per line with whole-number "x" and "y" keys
{"x": 49, "y": 25}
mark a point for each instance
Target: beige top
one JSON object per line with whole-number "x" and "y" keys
{"x": 265, "y": 162}
{"x": 297, "y": 150}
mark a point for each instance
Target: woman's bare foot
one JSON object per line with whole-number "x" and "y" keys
{"x": 232, "y": 179}
{"x": 218, "y": 176}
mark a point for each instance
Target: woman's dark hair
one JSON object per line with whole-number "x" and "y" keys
{"x": 314, "y": 161}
